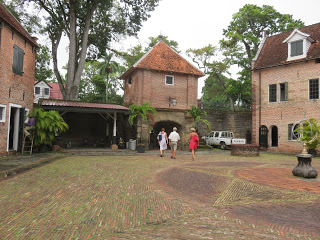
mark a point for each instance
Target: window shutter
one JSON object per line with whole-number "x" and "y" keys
{"x": 290, "y": 131}
{"x": 21, "y": 56}
{"x": 286, "y": 91}
{"x": 15, "y": 59}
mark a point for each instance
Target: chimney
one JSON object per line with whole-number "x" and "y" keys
{"x": 265, "y": 33}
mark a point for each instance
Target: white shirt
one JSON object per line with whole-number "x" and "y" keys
{"x": 174, "y": 136}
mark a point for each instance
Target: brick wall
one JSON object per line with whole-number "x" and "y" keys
{"x": 281, "y": 114}
{"x": 15, "y": 89}
{"x": 149, "y": 86}
{"x": 237, "y": 122}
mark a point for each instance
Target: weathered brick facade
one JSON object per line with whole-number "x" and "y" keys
{"x": 272, "y": 67}
{"x": 146, "y": 81}
{"x": 16, "y": 91}
{"x": 149, "y": 86}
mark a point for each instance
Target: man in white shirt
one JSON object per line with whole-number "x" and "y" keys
{"x": 173, "y": 142}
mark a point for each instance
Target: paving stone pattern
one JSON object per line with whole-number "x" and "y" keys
{"x": 143, "y": 196}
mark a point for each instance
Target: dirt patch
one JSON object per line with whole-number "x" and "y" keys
{"x": 198, "y": 186}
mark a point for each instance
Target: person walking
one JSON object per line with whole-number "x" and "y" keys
{"x": 193, "y": 142}
{"x": 163, "y": 141}
{"x": 174, "y": 138}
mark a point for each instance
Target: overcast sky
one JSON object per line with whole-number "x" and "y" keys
{"x": 195, "y": 24}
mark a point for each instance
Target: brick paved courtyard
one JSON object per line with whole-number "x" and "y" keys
{"x": 218, "y": 196}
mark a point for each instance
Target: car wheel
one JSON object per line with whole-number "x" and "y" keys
{"x": 223, "y": 145}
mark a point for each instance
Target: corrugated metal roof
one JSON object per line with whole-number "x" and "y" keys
{"x": 65, "y": 103}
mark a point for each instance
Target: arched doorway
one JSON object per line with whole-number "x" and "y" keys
{"x": 168, "y": 126}
{"x": 274, "y": 136}
{"x": 263, "y": 136}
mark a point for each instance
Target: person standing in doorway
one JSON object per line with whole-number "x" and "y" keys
{"x": 193, "y": 141}
{"x": 173, "y": 142}
{"x": 163, "y": 141}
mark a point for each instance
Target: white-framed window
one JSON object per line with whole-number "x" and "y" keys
{"x": 3, "y": 109}
{"x": 273, "y": 93}
{"x": 283, "y": 92}
{"x": 314, "y": 89}
{"x": 169, "y": 80}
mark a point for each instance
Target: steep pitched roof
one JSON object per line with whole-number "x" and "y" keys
{"x": 5, "y": 15}
{"x": 274, "y": 52}
{"x": 163, "y": 58}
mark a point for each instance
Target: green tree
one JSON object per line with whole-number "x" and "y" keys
{"x": 199, "y": 115}
{"x": 93, "y": 86}
{"x": 106, "y": 67}
{"x": 207, "y": 59}
{"x": 43, "y": 70}
{"x": 245, "y": 31}
{"x": 48, "y": 124}
{"x": 133, "y": 54}
{"x": 31, "y": 22}
{"x": 90, "y": 25}
{"x": 141, "y": 113}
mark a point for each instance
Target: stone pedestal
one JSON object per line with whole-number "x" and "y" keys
{"x": 304, "y": 168}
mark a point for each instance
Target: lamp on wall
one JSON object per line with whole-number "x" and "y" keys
{"x": 172, "y": 101}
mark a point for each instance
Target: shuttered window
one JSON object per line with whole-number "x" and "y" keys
{"x": 18, "y": 55}
{"x": 297, "y": 48}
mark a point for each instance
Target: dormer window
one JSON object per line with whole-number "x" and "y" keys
{"x": 298, "y": 45}
{"x": 296, "y": 48}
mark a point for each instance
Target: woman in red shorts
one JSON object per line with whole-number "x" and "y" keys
{"x": 194, "y": 141}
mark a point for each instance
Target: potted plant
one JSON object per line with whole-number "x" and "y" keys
{"x": 48, "y": 125}
{"x": 308, "y": 135}
{"x": 140, "y": 113}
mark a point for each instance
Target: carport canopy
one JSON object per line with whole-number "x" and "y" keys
{"x": 64, "y": 106}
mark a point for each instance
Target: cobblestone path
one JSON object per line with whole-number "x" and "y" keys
{"x": 218, "y": 196}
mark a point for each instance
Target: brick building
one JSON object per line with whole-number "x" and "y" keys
{"x": 17, "y": 73}
{"x": 169, "y": 83}
{"x": 285, "y": 86}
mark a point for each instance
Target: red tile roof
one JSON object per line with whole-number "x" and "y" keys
{"x": 65, "y": 103}
{"x": 163, "y": 58}
{"x": 274, "y": 52}
{"x": 6, "y": 16}
{"x": 55, "y": 92}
